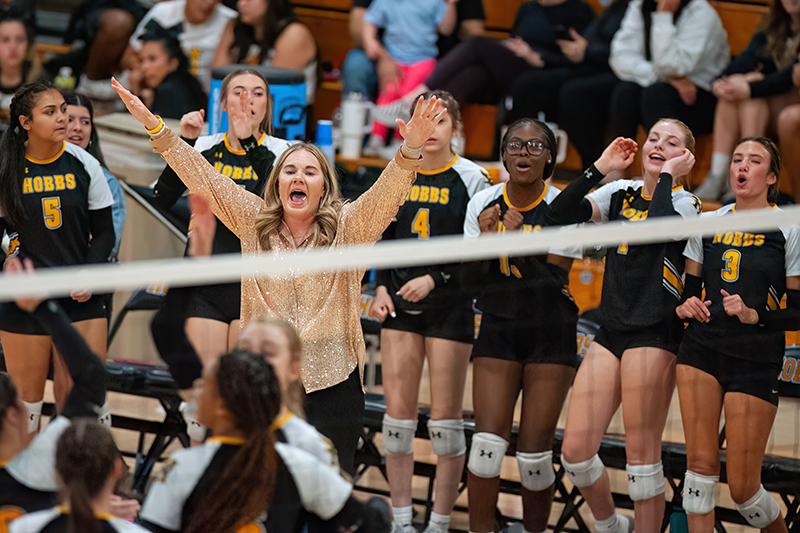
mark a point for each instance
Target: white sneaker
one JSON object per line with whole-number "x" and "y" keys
{"x": 96, "y": 89}
{"x": 629, "y": 520}
{"x": 389, "y": 113}
{"x": 388, "y": 152}
{"x": 433, "y": 528}
{"x": 397, "y": 527}
{"x": 373, "y": 147}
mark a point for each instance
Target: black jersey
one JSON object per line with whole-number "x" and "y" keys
{"x": 57, "y": 195}
{"x": 755, "y": 266}
{"x": 28, "y": 482}
{"x": 435, "y": 206}
{"x": 304, "y": 486}
{"x": 56, "y": 520}
{"x": 511, "y": 289}
{"x": 642, "y": 284}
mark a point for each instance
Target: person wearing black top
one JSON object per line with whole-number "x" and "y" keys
{"x": 168, "y": 88}
{"x": 536, "y": 91}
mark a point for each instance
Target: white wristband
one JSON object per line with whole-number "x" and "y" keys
{"x": 411, "y": 151}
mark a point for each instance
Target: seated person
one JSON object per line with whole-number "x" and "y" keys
{"x": 267, "y": 32}
{"x": 18, "y": 61}
{"x": 363, "y": 75}
{"x": 163, "y": 78}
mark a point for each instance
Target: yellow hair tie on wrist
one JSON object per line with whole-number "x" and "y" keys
{"x": 157, "y": 128}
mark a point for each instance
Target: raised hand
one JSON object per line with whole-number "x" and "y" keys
{"x": 679, "y": 166}
{"x": 239, "y": 115}
{"x": 617, "y": 156}
{"x": 694, "y": 308}
{"x": 192, "y": 124}
{"x": 423, "y": 122}
{"x": 135, "y": 106}
{"x": 734, "y": 306}
{"x": 13, "y": 266}
{"x": 489, "y": 219}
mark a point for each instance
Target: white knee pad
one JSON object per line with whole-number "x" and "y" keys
{"x": 486, "y": 455}
{"x": 761, "y": 510}
{"x": 398, "y": 435}
{"x": 104, "y": 415}
{"x": 698, "y": 493}
{"x": 195, "y": 430}
{"x": 447, "y": 437}
{"x": 645, "y": 481}
{"x": 536, "y": 470}
{"x": 585, "y": 473}
{"x": 34, "y": 414}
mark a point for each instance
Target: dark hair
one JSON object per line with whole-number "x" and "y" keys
{"x": 448, "y": 100}
{"x": 648, "y": 7}
{"x": 250, "y": 391}
{"x": 30, "y": 34}
{"x": 774, "y": 159}
{"x": 279, "y": 15}
{"x": 778, "y": 29}
{"x": 78, "y": 99}
{"x": 171, "y": 47}
{"x": 12, "y": 146}
{"x": 549, "y": 142}
{"x": 8, "y": 395}
{"x": 266, "y": 124}
{"x": 85, "y": 459}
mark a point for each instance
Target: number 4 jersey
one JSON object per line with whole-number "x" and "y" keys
{"x": 57, "y": 195}
{"x": 753, "y": 265}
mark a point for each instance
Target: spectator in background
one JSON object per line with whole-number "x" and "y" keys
{"x": 199, "y": 25}
{"x": 789, "y": 135}
{"x": 267, "y": 32}
{"x": 18, "y": 61}
{"x": 664, "y": 59}
{"x": 366, "y": 76}
{"x": 537, "y": 90}
{"x": 163, "y": 78}
{"x": 22, "y": 9}
{"x": 482, "y": 69}
{"x": 753, "y": 92}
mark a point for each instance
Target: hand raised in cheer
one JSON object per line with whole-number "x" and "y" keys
{"x": 423, "y": 122}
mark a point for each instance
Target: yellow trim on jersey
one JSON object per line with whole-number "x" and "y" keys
{"x": 439, "y": 170}
{"x": 774, "y": 206}
{"x": 772, "y": 302}
{"x": 281, "y": 421}
{"x": 3, "y": 464}
{"x": 673, "y": 280}
{"x": 48, "y": 161}
{"x": 527, "y": 207}
{"x": 648, "y": 198}
{"x": 102, "y": 516}
{"x": 226, "y": 440}
{"x": 240, "y": 152}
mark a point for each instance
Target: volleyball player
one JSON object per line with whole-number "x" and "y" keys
{"x": 54, "y": 196}
{"x": 245, "y": 154}
{"x": 632, "y": 359}
{"x": 88, "y": 465}
{"x": 28, "y": 477}
{"x": 528, "y": 326}
{"x": 241, "y": 475}
{"x": 732, "y": 353}
{"x": 426, "y": 315}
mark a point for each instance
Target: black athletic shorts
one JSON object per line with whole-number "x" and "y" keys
{"x": 665, "y": 336}
{"x": 756, "y": 378}
{"x": 455, "y": 323}
{"x": 15, "y": 320}
{"x": 221, "y": 302}
{"x": 530, "y": 341}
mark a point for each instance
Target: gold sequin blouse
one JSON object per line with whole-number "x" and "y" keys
{"x": 324, "y": 307}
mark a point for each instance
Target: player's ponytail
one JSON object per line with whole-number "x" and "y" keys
{"x": 12, "y": 146}
{"x": 250, "y": 391}
{"x": 85, "y": 460}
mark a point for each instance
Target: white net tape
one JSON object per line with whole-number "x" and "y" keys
{"x": 227, "y": 268}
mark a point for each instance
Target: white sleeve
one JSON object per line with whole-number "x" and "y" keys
{"x": 33, "y": 522}
{"x": 472, "y": 229}
{"x": 100, "y": 195}
{"x": 694, "y": 249}
{"x": 627, "y": 49}
{"x": 35, "y": 467}
{"x": 676, "y": 54}
{"x": 602, "y": 197}
{"x": 322, "y": 490}
{"x": 792, "y": 251}
{"x": 688, "y": 205}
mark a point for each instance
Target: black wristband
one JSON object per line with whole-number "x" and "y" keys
{"x": 439, "y": 278}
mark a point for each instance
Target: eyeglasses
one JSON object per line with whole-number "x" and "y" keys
{"x": 533, "y": 147}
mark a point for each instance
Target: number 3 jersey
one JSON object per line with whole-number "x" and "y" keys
{"x": 642, "y": 284}
{"x": 753, "y": 265}
{"x": 57, "y": 195}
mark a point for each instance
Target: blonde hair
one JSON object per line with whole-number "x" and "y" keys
{"x": 294, "y": 391}
{"x": 688, "y": 136}
{"x": 266, "y": 122}
{"x": 270, "y": 219}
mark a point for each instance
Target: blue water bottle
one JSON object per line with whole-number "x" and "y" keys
{"x": 325, "y": 139}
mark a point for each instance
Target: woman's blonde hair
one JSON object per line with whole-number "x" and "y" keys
{"x": 294, "y": 391}
{"x": 270, "y": 219}
{"x": 266, "y": 122}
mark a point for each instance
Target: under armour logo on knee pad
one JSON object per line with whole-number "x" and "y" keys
{"x": 532, "y": 473}
{"x": 484, "y": 453}
{"x": 631, "y": 479}
{"x": 395, "y": 434}
{"x": 693, "y": 492}
{"x": 751, "y": 516}
{"x": 436, "y": 434}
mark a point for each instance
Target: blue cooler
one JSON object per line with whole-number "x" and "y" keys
{"x": 287, "y": 87}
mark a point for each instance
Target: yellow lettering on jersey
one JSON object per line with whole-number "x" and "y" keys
{"x": 632, "y": 213}
{"x": 749, "y": 238}
{"x": 48, "y": 184}
{"x": 60, "y": 182}
{"x": 728, "y": 238}
{"x": 38, "y": 184}
{"x": 8, "y": 515}
{"x": 424, "y": 193}
{"x": 434, "y": 198}
{"x": 421, "y": 225}
{"x": 27, "y": 185}
{"x": 759, "y": 240}
{"x": 731, "y": 271}
{"x": 70, "y": 181}
{"x": 227, "y": 170}
{"x": 248, "y": 174}
{"x": 738, "y": 238}
{"x": 194, "y": 58}
{"x": 414, "y": 194}
{"x": 717, "y": 238}
{"x": 623, "y": 249}
{"x": 429, "y": 194}
{"x": 218, "y": 166}
{"x": 237, "y": 173}
{"x": 444, "y": 196}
